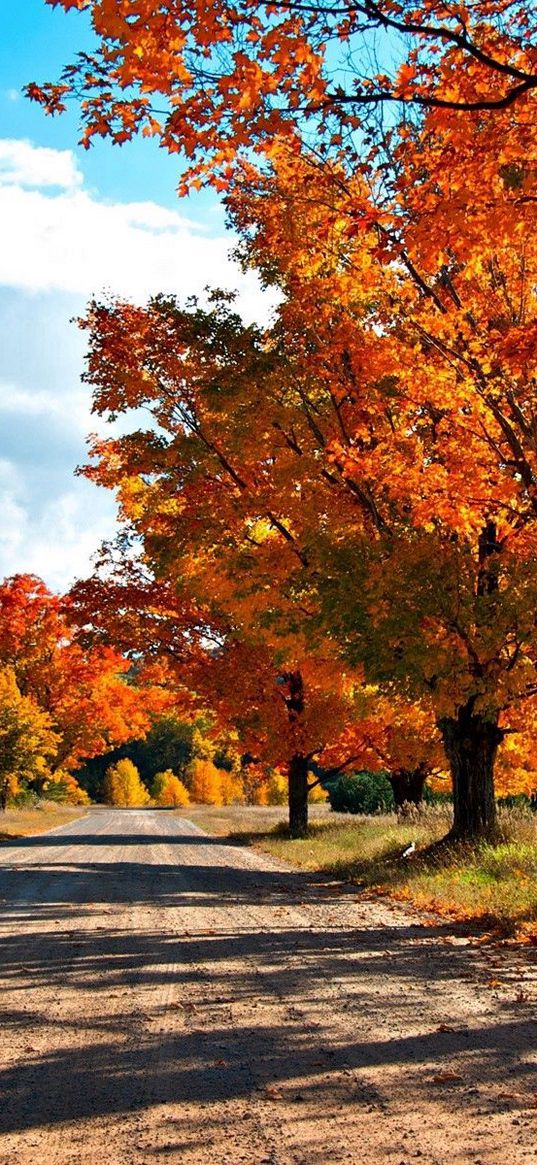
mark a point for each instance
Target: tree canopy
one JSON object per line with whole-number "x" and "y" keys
{"x": 348, "y": 496}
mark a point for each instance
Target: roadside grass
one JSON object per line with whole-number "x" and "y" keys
{"x": 495, "y": 885}
{"x": 37, "y": 819}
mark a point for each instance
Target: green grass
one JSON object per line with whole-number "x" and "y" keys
{"x": 495, "y": 884}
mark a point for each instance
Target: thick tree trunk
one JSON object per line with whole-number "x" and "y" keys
{"x": 408, "y": 786}
{"x": 471, "y": 743}
{"x": 298, "y": 795}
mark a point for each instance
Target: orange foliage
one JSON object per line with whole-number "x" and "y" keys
{"x": 204, "y": 782}
{"x": 169, "y": 791}
{"x": 91, "y": 704}
{"x": 229, "y": 77}
{"x": 353, "y": 492}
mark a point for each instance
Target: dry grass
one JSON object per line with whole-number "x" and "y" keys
{"x": 45, "y": 815}
{"x": 495, "y": 884}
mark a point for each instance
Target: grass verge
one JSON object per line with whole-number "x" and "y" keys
{"x": 493, "y": 884}
{"x": 45, "y": 815}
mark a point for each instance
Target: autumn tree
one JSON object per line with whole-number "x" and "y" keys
{"x": 211, "y": 515}
{"x": 212, "y": 83}
{"x": 204, "y": 782}
{"x": 397, "y": 552}
{"x": 27, "y": 742}
{"x": 168, "y": 790}
{"x": 437, "y": 596}
{"x": 123, "y": 787}
{"x": 402, "y": 450}
{"x": 91, "y": 701}
{"x": 392, "y": 735}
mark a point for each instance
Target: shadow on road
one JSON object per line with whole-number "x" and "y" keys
{"x": 53, "y": 840}
{"x": 106, "y": 1077}
{"x": 259, "y": 950}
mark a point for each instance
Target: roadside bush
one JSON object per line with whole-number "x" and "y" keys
{"x": 231, "y": 790}
{"x": 318, "y": 795}
{"x": 168, "y": 790}
{"x": 361, "y": 793}
{"x": 204, "y": 782}
{"x": 277, "y": 788}
{"x": 123, "y": 787}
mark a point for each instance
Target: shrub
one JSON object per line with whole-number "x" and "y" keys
{"x": 123, "y": 787}
{"x": 361, "y": 793}
{"x": 231, "y": 790}
{"x": 277, "y": 788}
{"x": 168, "y": 790}
{"x": 204, "y": 782}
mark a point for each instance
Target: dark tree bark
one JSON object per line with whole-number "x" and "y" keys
{"x": 298, "y": 764}
{"x": 298, "y": 796}
{"x": 408, "y": 785}
{"x": 471, "y": 743}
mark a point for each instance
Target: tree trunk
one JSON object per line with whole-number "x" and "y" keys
{"x": 408, "y": 785}
{"x": 298, "y": 795}
{"x": 471, "y": 743}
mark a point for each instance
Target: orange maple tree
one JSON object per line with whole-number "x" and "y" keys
{"x": 90, "y": 701}
{"x": 396, "y": 396}
{"x": 205, "y": 502}
{"x": 211, "y": 80}
{"x": 430, "y": 366}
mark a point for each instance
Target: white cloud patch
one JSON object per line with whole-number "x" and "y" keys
{"x": 61, "y": 243}
{"x": 25, "y": 165}
{"x": 41, "y": 403}
{"x": 55, "y": 540}
{"x": 52, "y": 523}
{"x": 72, "y": 241}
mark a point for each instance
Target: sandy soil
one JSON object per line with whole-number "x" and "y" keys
{"x": 166, "y": 997}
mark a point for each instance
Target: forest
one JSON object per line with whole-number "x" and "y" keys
{"x": 327, "y": 543}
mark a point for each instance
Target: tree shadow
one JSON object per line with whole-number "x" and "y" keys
{"x": 224, "y": 935}
{"x": 108, "y": 1076}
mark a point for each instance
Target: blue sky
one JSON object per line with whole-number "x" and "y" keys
{"x": 35, "y": 42}
{"x": 74, "y": 223}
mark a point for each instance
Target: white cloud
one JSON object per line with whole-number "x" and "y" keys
{"x": 72, "y": 241}
{"x": 23, "y": 164}
{"x": 41, "y": 403}
{"x": 13, "y": 513}
{"x": 59, "y": 244}
{"x": 57, "y": 539}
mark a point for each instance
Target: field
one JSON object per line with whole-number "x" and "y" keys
{"x": 46, "y": 815}
{"x": 494, "y": 884}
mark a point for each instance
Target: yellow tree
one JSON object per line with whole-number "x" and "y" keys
{"x": 123, "y": 787}
{"x": 168, "y": 790}
{"x": 27, "y": 742}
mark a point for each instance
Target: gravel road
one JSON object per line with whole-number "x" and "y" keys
{"x": 166, "y": 997}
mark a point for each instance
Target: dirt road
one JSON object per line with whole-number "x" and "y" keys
{"x": 166, "y": 997}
